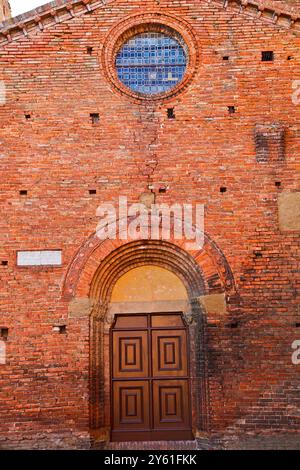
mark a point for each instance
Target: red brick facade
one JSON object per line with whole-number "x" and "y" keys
{"x": 57, "y": 67}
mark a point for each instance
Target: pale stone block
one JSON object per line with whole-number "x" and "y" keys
{"x": 147, "y": 199}
{"x": 79, "y": 307}
{"x": 2, "y": 352}
{"x": 289, "y": 211}
{"x": 39, "y": 258}
{"x": 214, "y": 303}
{"x": 2, "y": 93}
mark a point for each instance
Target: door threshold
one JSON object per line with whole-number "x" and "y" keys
{"x": 151, "y": 436}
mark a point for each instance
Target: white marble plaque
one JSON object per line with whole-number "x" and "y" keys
{"x": 2, "y": 352}
{"x": 39, "y": 258}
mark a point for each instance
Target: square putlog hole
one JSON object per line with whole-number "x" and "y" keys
{"x": 267, "y": 56}
{"x": 95, "y": 118}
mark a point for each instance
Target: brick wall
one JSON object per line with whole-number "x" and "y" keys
{"x": 51, "y": 149}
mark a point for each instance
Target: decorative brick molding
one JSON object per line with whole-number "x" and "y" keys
{"x": 155, "y": 21}
{"x": 46, "y": 16}
{"x": 265, "y": 10}
{"x": 63, "y": 10}
{"x": 213, "y": 272}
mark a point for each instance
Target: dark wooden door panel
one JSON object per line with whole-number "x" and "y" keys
{"x": 169, "y": 353}
{"x": 131, "y": 405}
{"x": 150, "y": 378}
{"x": 159, "y": 321}
{"x": 131, "y": 322}
{"x": 130, "y": 350}
{"x": 171, "y": 398}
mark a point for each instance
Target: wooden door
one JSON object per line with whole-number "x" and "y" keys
{"x": 150, "y": 378}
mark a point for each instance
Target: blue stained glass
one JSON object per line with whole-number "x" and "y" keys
{"x": 151, "y": 63}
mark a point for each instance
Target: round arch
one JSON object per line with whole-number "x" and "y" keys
{"x": 113, "y": 267}
{"x": 92, "y": 275}
{"x": 210, "y": 270}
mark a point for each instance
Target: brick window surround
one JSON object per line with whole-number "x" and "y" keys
{"x": 138, "y": 24}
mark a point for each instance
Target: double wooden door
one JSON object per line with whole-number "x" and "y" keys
{"x": 150, "y": 378}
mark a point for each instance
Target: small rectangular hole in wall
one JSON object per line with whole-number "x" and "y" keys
{"x": 297, "y": 324}
{"x": 223, "y": 189}
{"x": 226, "y": 57}
{"x": 89, "y": 50}
{"x": 231, "y": 109}
{"x": 61, "y": 329}
{"x": 95, "y": 118}
{"x": 4, "y": 263}
{"x": 258, "y": 254}
{"x": 23, "y": 192}
{"x": 4, "y": 333}
{"x": 290, "y": 57}
{"x": 92, "y": 191}
{"x": 267, "y": 56}
{"x": 171, "y": 113}
{"x": 233, "y": 325}
{"x": 162, "y": 190}
{"x": 278, "y": 184}
{"x": 27, "y": 116}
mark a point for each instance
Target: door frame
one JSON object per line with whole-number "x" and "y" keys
{"x": 101, "y": 320}
{"x": 88, "y": 284}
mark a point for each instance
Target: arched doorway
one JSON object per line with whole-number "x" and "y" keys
{"x": 120, "y": 287}
{"x": 150, "y": 360}
{"x": 91, "y": 287}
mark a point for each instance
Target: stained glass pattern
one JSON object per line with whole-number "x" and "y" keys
{"x": 151, "y": 63}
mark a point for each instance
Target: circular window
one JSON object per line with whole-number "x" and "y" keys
{"x": 152, "y": 62}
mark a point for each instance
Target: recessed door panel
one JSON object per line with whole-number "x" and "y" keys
{"x": 131, "y": 409}
{"x": 172, "y": 404}
{"x": 169, "y": 354}
{"x": 131, "y": 322}
{"x": 150, "y": 378}
{"x": 167, "y": 321}
{"x": 130, "y": 354}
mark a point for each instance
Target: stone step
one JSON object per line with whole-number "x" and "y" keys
{"x": 153, "y": 445}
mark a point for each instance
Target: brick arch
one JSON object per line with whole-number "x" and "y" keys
{"x": 206, "y": 271}
{"x": 146, "y": 252}
{"x": 92, "y": 274}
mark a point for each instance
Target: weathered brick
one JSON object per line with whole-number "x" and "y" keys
{"x": 50, "y": 148}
